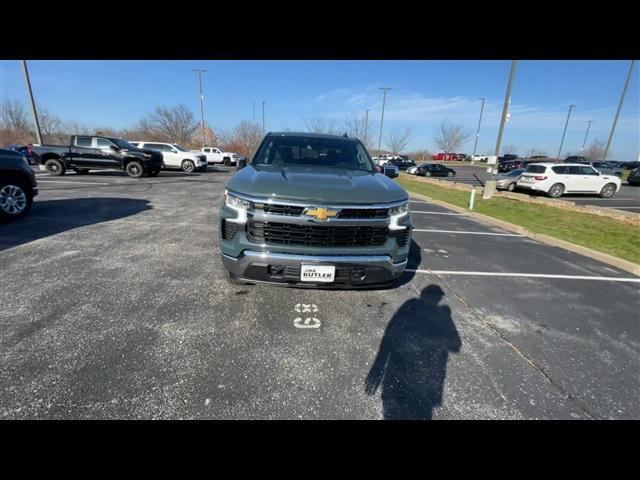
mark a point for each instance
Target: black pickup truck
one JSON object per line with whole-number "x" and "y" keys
{"x": 86, "y": 152}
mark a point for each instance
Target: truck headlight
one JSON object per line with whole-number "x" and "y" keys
{"x": 400, "y": 209}
{"x": 236, "y": 202}
{"x": 396, "y": 213}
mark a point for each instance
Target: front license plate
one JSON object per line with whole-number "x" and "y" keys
{"x": 317, "y": 273}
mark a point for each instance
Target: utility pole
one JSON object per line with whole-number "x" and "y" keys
{"x": 263, "y": 130}
{"x": 200, "y": 71}
{"x": 478, "y": 132}
{"x": 384, "y": 99}
{"x": 33, "y": 103}
{"x": 615, "y": 120}
{"x": 490, "y": 185}
{"x": 565, "y": 130}
{"x": 366, "y": 128}
{"x": 584, "y": 142}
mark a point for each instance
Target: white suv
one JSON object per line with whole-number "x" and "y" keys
{"x": 557, "y": 179}
{"x": 215, "y": 155}
{"x": 176, "y": 156}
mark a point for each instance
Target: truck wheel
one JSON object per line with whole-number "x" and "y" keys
{"x": 608, "y": 190}
{"x": 188, "y": 166}
{"x": 55, "y": 167}
{"x": 556, "y": 190}
{"x": 134, "y": 169}
{"x": 226, "y": 161}
{"x": 15, "y": 199}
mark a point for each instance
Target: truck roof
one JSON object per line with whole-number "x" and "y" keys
{"x": 309, "y": 134}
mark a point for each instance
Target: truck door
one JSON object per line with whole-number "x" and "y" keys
{"x": 82, "y": 152}
{"x": 107, "y": 155}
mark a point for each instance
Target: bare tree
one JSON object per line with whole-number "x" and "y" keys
{"x": 321, "y": 125}
{"x": 595, "y": 150}
{"x": 172, "y": 124}
{"x": 397, "y": 140}
{"x": 451, "y": 137}
{"x": 420, "y": 155}
{"x": 355, "y": 125}
{"x": 14, "y": 116}
{"x": 244, "y": 139}
{"x": 535, "y": 152}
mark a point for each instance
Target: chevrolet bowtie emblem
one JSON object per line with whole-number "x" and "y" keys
{"x": 321, "y": 213}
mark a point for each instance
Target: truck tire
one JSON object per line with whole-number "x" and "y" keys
{"x": 188, "y": 166}
{"x": 134, "y": 169}
{"x": 15, "y": 199}
{"x": 55, "y": 167}
{"x": 226, "y": 161}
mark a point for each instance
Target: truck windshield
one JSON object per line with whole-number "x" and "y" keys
{"x": 310, "y": 151}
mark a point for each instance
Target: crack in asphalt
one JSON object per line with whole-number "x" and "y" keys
{"x": 572, "y": 398}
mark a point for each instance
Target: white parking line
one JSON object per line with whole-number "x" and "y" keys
{"x": 68, "y": 181}
{"x": 527, "y": 275}
{"x": 438, "y": 213}
{"x": 467, "y": 233}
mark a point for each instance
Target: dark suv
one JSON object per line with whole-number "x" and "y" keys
{"x": 18, "y": 185}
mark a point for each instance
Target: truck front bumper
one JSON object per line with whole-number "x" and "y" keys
{"x": 283, "y": 268}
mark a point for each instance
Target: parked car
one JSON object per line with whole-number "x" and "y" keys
{"x": 557, "y": 179}
{"x": 434, "y": 170}
{"x": 413, "y": 170}
{"x": 463, "y": 157}
{"x": 444, "y": 157}
{"x": 509, "y": 165}
{"x": 390, "y": 170}
{"x": 507, "y": 181}
{"x": 289, "y": 217}
{"x": 216, "y": 155}
{"x": 630, "y": 165}
{"x": 577, "y": 159}
{"x": 25, "y": 150}
{"x": 479, "y": 158}
{"x": 507, "y": 158}
{"x": 634, "y": 177}
{"x": 86, "y": 152}
{"x": 18, "y": 185}
{"x": 607, "y": 168}
{"x": 175, "y": 156}
{"x": 402, "y": 164}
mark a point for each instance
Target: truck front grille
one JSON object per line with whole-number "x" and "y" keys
{"x": 364, "y": 213}
{"x": 288, "y": 210}
{"x": 315, "y": 235}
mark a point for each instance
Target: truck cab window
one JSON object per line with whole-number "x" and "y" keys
{"x": 84, "y": 142}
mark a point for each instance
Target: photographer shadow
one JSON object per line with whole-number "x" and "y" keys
{"x": 411, "y": 365}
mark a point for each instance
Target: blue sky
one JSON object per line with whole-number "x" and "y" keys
{"x": 118, "y": 93}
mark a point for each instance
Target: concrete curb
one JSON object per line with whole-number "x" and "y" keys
{"x": 620, "y": 215}
{"x": 546, "y": 239}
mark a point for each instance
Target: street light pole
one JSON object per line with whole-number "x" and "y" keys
{"x": 565, "y": 130}
{"x": 584, "y": 142}
{"x": 200, "y": 71}
{"x": 490, "y": 185}
{"x": 366, "y": 128}
{"x": 615, "y": 120}
{"x": 384, "y": 99}
{"x": 263, "y": 130}
{"x": 478, "y": 132}
{"x": 33, "y": 103}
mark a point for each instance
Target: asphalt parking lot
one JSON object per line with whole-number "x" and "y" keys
{"x": 114, "y": 305}
{"x": 626, "y": 199}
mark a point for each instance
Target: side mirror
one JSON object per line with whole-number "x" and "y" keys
{"x": 241, "y": 163}
{"x": 377, "y": 169}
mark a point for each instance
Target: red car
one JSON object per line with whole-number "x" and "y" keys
{"x": 445, "y": 156}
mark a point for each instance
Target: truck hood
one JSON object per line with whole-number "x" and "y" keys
{"x": 321, "y": 185}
